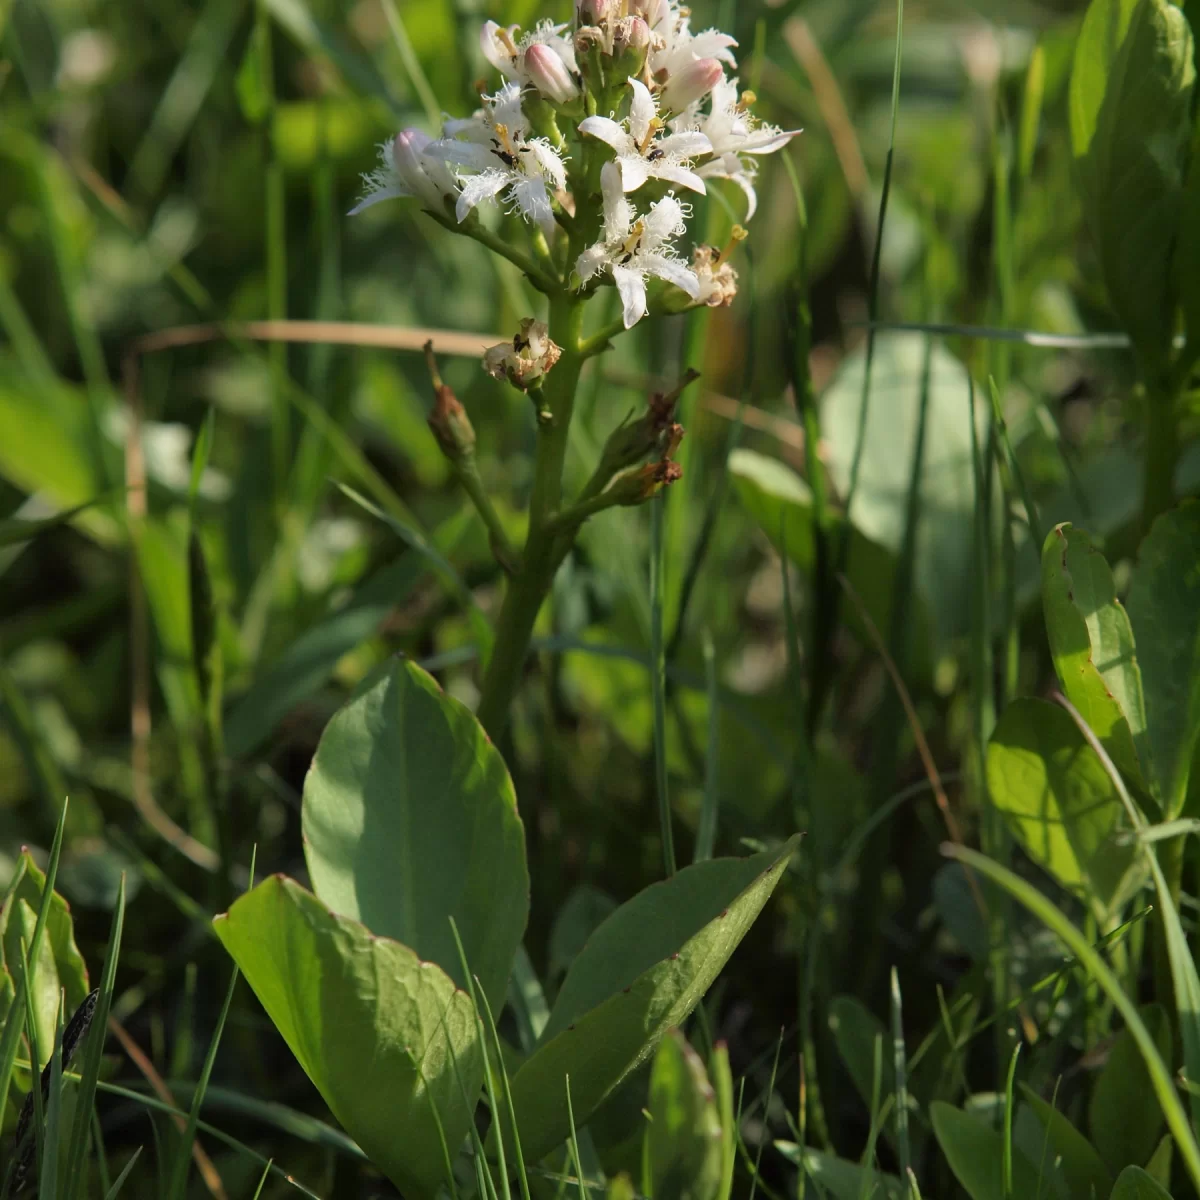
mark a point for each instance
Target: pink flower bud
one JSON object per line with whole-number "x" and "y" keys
{"x": 631, "y": 34}
{"x": 421, "y": 174}
{"x": 596, "y": 12}
{"x": 693, "y": 83}
{"x": 548, "y": 73}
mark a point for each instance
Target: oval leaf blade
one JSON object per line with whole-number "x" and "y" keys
{"x": 1060, "y": 803}
{"x": 640, "y": 973}
{"x": 410, "y": 819}
{"x": 1092, "y": 645}
{"x": 385, "y": 1037}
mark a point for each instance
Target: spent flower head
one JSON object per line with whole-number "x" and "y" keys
{"x": 524, "y": 361}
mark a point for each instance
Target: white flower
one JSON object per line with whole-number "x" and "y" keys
{"x": 641, "y": 153}
{"x": 675, "y": 46}
{"x": 734, "y": 132}
{"x": 408, "y": 167}
{"x": 496, "y": 146}
{"x": 633, "y": 247}
{"x": 508, "y": 52}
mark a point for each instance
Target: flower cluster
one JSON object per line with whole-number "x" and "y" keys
{"x": 628, "y": 99}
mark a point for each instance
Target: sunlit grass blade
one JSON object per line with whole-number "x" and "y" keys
{"x": 527, "y": 1000}
{"x": 900, "y": 1070}
{"x": 767, "y": 1096}
{"x": 262, "y": 1179}
{"x": 868, "y": 1156}
{"x": 1042, "y": 908}
{"x": 658, "y": 684}
{"x": 12, "y": 1027}
{"x": 200, "y": 456}
{"x": 573, "y": 1141}
{"x": 117, "y": 1184}
{"x": 49, "y": 1164}
{"x": 706, "y": 831}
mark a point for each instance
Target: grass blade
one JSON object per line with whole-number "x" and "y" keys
{"x": 1045, "y": 911}
{"x": 119, "y": 1182}
{"x": 658, "y": 683}
{"x": 48, "y": 1167}
{"x": 900, "y": 1068}
{"x": 90, "y": 1073}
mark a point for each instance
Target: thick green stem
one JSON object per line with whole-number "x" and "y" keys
{"x": 1162, "y": 455}
{"x": 545, "y": 548}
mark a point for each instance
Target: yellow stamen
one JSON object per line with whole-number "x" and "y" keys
{"x": 654, "y": 127}
{"x": 505, "y": 139}
{"x": 506, "y": 39}
{"x": 737, "y": 234}
{"x": 630, "y": 244}
{"x": 748, "y": 98}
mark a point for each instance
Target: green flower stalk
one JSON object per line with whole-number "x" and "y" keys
{"x": 594, "y": 127}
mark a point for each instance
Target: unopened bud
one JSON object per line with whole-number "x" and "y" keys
{"x": 448, "y": 421}
{"x": 631, "y": 33}
{"x": 548, "y": 73}
{"x": 526, "y": 360}
{"x": 693, "y": 83}
{"x": 596, "y": 12}
{"x": 638, "y": 486}
{"x": 423, "y": 174}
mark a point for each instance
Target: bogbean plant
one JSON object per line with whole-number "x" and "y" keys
{"x": 387, "y": 978}
{"x": 596, "y": 137}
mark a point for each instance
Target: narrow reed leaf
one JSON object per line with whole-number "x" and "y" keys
{"x": 1009, "y": 1107}
{"x": 574, "y": 1141}
{"x": 113, "y": 1192}
{"x": 658, "y": 684}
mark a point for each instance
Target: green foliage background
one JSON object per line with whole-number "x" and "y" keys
{"x": 170, "y": 661}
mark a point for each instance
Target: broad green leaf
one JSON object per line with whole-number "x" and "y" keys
{"x": 1124, "y": 1117}
{"x": 1100, "y": 38}
{"x": 1075, "y": 1157}
{"x": 684, "y": 1142}
{"x": 1060, "y": 803}
{"x": 975, "y": 1152}
{"x": 841, "y": 1179}
{"x": 641, "y": 973}
{"x": 1135, "y": 1184}
{"x": 780, "y": 502}
{"x": 1133, "y": 172}
{"x": 386, "y": 1038}
{"x": 1164, "y": 606}
{"x": 944, "y": 559}
{"x": 410, "y": 819}
{"x": 16, "y": 530}
{"x": 1092, "y": 645}
{"x": 59, "y": 949}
